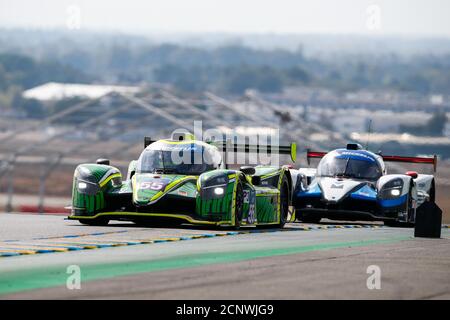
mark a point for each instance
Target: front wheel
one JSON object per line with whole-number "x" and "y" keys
{"x": 284, "y": 202}
{"x": 238, "y": 205}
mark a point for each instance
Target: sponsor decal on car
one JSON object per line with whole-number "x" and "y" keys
{"x": 337, "y": 185}
{"x": 251, "y": 217}
{"x": 154, "y": 184}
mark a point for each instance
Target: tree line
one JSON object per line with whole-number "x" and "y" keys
{"x": 226, "y": 70}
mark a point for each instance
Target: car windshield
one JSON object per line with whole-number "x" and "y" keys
{"x": 185, "y": 162}
{"x": 347, "y": 167}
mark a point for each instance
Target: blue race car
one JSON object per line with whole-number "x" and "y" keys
{"x": 353, "y": 184}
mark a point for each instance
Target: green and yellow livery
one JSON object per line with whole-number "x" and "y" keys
{"x": 184, "y": 180}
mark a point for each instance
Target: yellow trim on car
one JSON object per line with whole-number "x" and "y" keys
{"x": 264, "y": 194}
{"x": 143, "y": 214}
{"x": 168, "y": 188}
{"x": 176, "y": 142}
{"x": 115, "y": 175}
{"x": 169, "y": 215}
{"x": 133, "y": 183}
{"x": 270, "y": 175}
{"x": 171, "y": 186}
{"x": 293, "y": 151}
{"x": 187, "y": 141}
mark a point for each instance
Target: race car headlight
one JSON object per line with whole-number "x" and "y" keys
{"x": 213, "y": 187}
{"x": 82, "y": 185}
{"x": 392, "y": 189}
{"x": 213, "y": 192}
{"x": 87, "y": 187}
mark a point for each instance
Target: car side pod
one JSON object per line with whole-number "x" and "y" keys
{"x": 428, "y": 221}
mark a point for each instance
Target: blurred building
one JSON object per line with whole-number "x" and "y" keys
{"x": 57, "y": 91}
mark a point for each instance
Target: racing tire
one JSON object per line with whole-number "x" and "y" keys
{"x": 239, "y": 205}
{"x": 95, "y": 222}
{"x": 284, "y": 202}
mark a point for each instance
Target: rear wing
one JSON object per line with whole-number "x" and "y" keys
{"x": 425, "y": 160}
{"x": 228, "y": 146}
{"x": 314, "y": 155}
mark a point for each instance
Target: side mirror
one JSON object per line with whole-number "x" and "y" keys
{"x": 247, "y": 170}
{"x": 412, "y": 174}
{"x": 256, "y": 180}
{"x": 102, "y": 161}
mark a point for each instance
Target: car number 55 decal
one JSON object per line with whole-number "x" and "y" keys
{"x": 156, "y": 185}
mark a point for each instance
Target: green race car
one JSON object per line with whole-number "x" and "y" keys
{"x": 199, "y": 189}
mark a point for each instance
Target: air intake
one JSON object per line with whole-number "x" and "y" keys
{"x": 354, "y": 146}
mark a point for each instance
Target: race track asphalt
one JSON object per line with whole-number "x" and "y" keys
{"x": 303, "y": 261}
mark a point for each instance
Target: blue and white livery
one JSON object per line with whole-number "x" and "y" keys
{"x": 353, "y": 184}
